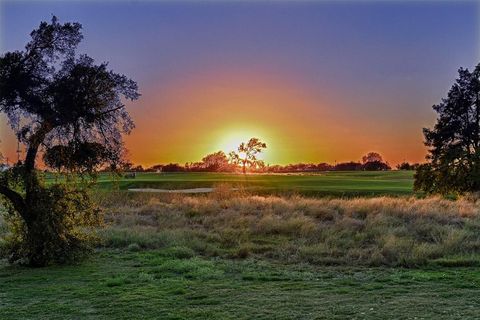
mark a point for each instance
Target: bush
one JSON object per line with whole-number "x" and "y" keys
{"x": 60, "y": 232}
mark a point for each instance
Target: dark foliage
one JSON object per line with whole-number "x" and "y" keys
{"x": 348, "y": 166}
{"x": 247, "y": 155}
{"x": 407, "y": 166}
{"x": 60, "y": 233}
{"x": 454, "y": 142}
{"x": 372, "y": 157}
{"x": 71, "y": 108}
{"x": 375, "y": 166}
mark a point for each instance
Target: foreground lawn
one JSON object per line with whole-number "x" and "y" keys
{"x": 227, "y": 255}
{"x": 168, "y": 284}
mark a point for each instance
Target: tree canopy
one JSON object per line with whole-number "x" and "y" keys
{"x": 372, "y": 157}
{"x": 216, "y": 161}
{"x": 247, "y": 154}
{"x": 454, "y": 142}
{"x": 68, "y": 106}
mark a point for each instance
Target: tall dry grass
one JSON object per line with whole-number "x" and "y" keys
{"x": 360, "y": 231}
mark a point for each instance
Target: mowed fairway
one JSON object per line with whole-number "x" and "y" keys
{"x": 348, "y": 183}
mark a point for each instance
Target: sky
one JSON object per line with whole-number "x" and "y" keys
{"x": 318, "y": 81}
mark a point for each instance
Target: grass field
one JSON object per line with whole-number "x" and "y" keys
{"x": 256, "y": 254}
{"x": 354, "y": 183}
{"x": 168, "y": 285}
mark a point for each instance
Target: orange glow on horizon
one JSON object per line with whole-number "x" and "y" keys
{"x": 217, "y": 111}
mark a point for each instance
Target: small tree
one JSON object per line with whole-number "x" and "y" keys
{"x": 372, "y": 157}
{"x": 247, "y": 154}
{"x": 73, "y": 110}
{"x": 454, "y": 141}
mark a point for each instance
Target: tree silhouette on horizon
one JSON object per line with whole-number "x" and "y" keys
{"x": 247, "y": 154}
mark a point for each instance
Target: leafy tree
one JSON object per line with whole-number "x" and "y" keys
{"x": 454, "y": 141}
{"x": 73, "y": 110}
{"x": 373, "y": 161}
{"x": 247, "y": 154}
{"x": 372, "y": 157}
{"x": 348, "y": 166}
{"x": 375, "y": 166}
{"x": 407, "y": 166}
{"x": 324, "y": 167}
{"x": 216, "y": 161}
{"x": 173, "y": 167}
{"x": 138, "y": 168}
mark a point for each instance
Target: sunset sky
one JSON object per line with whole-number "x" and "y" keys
{"x": 318, "y": 81}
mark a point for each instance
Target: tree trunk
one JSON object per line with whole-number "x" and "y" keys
{"x": 15, "y": 199}
{"x": 25, "y": 205}
{"x": 30, "y": 178}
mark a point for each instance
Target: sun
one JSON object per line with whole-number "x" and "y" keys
{"x": 232, "y": 138}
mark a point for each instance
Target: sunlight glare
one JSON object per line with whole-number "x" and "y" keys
{"x": 234, "y": 137}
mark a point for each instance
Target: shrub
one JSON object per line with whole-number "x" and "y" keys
{"x": 61, "y": 231}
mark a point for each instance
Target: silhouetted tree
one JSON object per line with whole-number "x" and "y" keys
{"x": 69, "y": 106}
{"x": 348, "y": 166}
{"x": 247, "y": 154}
{"x": 138, "y": 168}
{"x": 126, "y": 166}
{"x": 76, "y": 157}
{"x": 217, "y": 161}
{"x": 407, "y": 166}
{"x": 454, "y": 141}
{"x": 173, "y": 167}
{"x": 375, "y": 166}
{"x": 155, "y": 168}
{"x": 324, "y": 167}
{"x": 372, "y": 157}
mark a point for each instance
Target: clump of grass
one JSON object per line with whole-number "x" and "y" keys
{"x": 133, "y": 247}
{"x": 178, "y": 252}
{"x": 117, "y": 281}
{"x": 190, "y": 269}
{"x": 358, "y": 231}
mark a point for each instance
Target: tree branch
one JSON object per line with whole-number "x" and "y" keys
{"x": 15, "y": 198}
{"x": 108, "y": 111}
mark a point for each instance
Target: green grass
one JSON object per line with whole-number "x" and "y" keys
{"x": 328, "y": 183}
{"x": 237, "y": 255}
{"x": 383, "y": 231}
{"x": 155, "y": 285}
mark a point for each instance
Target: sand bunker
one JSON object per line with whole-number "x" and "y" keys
{"x": 194, "y": 190}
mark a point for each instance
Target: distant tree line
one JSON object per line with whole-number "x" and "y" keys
{"x": 220, "y": 162}
{"x": 407, "y": 166}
